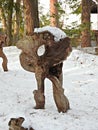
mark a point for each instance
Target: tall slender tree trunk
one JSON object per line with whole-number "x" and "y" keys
{"x": 31, "y": 15}
{"x": 17, "y": 23}
{"x": 9, "y": 23}
{"x": 86, "y": 10}
{"x": 3, "y": 20}
{"x": 54, "y": 13}
{"x": 35, "y": 13}
{"x": 4, "y": 25}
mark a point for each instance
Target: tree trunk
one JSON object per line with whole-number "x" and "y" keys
{"x": 31, "y": 15}
{"x": 9, "y": 24}
{"x": 54, "y": 13}
{"x": 86, "y": 9}
{"x": 35, "y": 13}
{"x": 4, "y": 20}
{"x": 17, "y": 23}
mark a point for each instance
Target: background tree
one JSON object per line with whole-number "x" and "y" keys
{"x": 10, "y": 15}
{"x": 3, "y": 17}
{"x": 85, "y": 17}
{"x": 44, "y": 19}
{"x": 9, "y": 22}
{"x": 6, "y": 8}
{"x": 83, "y": 8}
{"x": 54, "y": 13}
{"x": 14, "y": 26}
{"x": 31, "y": 15}
{"x": 35, "y": 13}
{"x": 17, "y": 21}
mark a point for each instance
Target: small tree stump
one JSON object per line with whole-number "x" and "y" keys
{"x": 2, "y": 55}
{"x": 16, "y": 124}
{"x": 48, "y": 65}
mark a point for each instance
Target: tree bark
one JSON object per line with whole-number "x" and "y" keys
{"x": 31, "y": 15}
{"x": 54, "y": 13}
{"x": 86, "y": 9}
{"x": 4, "y": 20}
{"x": 35, "y": 13}
{"x": 60, "y": 99}
{"x": 17, "y": 23}
{"x": 9, "y": 23}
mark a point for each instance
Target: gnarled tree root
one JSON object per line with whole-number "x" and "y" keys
{"x": 5, "y": 61}
{"x": 61, "y": 100}
{"x": 39, "y": 99}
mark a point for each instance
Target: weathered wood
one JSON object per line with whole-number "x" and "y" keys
{"x": 16, "y": 124}
{"x": 2, "y": 55}
{"x": 48, "y": 65}
{"x": 26, "y": 62}
{"x": 61, "y": 100}
{"x": 39, "y": 99}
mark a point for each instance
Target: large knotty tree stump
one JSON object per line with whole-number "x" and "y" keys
{"x": 48, "y": 65}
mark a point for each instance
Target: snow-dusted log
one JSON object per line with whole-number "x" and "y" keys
{"x": 48, "y": 64}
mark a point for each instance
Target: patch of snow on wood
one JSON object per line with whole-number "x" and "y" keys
{"x": 58, "y": 33}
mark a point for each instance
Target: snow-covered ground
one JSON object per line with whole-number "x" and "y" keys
{"x": 80, "y": 81}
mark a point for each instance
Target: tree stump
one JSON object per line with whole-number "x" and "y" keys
{"x": 16, "y": 124}
{"x": 48, "y": 65}
{"x": 2, "y": 55}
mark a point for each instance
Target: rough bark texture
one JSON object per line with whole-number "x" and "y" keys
{"x": 2, "y": 55}
{"x": 86, "y": 9}
{"x": 9, "y": 22}
{"x": 35, "y": 13}
{"x": 31, "y": 15}
{"x": 4, "y": 20}
{"x": 54, "y": 13}
{"x": 49, "y": 65}
{"x": 17, "y": 23}
{"x": 61, "y": 100}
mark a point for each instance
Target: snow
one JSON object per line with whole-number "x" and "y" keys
{"x": 41, "y": 50}
{"x": 80, "y": 82}
{"x": 58, "y": 33}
